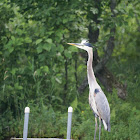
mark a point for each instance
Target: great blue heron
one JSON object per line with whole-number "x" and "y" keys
{"x": 97, "y": 99}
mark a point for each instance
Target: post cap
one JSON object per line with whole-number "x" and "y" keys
{"x": 70, "y": 109}
{"x": 27, "y": 110}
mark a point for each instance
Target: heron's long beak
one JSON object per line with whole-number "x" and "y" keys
{"x": 81, "y": 46}
{"x": 78, "y": 45}
{"x": 73, "y": 44}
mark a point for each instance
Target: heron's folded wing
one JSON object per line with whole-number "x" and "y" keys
{"x": 102, "y": 106}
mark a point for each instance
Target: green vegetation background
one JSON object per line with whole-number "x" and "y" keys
{"x": 37, "y": 67}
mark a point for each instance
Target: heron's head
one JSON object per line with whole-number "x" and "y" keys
{"x": 85, "y": 45}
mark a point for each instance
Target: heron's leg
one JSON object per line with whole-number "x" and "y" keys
{"x": 96, "y": 126}
{"x": 99, "y": 127}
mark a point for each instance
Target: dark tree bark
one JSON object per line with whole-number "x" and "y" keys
{"x": 76, "y": 78}
{"x": 66, "y": 74}
{"x": 102, "y": 73}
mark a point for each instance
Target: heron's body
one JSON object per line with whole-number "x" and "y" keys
{"x": 97, "y": 99}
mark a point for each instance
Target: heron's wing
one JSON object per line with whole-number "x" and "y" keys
{"x": 102, "y": 106}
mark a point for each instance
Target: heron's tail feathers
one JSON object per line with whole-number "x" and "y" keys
{"x": 107, "y": 126}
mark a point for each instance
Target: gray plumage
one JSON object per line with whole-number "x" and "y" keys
{"x": 103, "y": 109}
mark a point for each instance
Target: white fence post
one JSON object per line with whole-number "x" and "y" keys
{"x": 26, "y": 120}
{"x": 70, "y": 110}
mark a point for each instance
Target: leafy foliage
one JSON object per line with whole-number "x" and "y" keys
{"x": 38, "y": 69}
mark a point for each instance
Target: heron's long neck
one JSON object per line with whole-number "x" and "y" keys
{"x": 91, "y": 77}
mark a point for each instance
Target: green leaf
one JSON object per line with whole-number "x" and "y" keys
{"x": 73, "y": 49}
{"x": 17, "y": 86}
{"x": 47, "y": 47}
{"x": 45, "y": 68}
{"x": 13, "y": 71}
{"x": 60, "y": 48}
{"x": 28, "y": 40}
{"x": 49, "y": 40}
{"x": 39, "y": 49}
{"x": 11, "y": 49}
{"x": 94, "y": 10}
{"x": 65, "y": 20}
{"x": 38, "y": 72}
{"x": 38, "y": 41}
{"x": 13, "y": 38}
{"x": 67, "y": 54}
{"x": 74, "y": 103}
{"x": 51, "y": 32}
